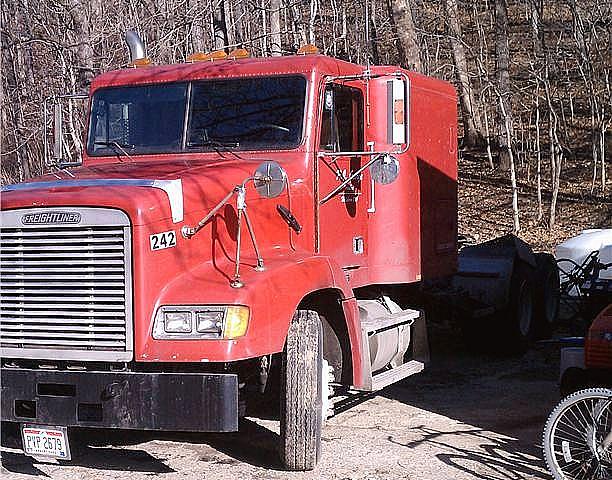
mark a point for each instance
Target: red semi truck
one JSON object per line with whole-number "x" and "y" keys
{"x": 239, "y": 229}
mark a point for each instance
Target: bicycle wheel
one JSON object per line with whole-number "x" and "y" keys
{"x": 578, "y": 436}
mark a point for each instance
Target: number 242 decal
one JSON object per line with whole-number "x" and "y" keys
{"x": 162, "y": 240}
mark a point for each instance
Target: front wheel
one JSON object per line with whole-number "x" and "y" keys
{"x": 578, "y": 436}
{"x": 301, "y": 393}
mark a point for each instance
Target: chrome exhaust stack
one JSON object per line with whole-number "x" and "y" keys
{"x": 134, "y": 43}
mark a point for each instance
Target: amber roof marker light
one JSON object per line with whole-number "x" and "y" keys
{"x": 308, "y": 49}
{"x": 239, "y": 53}
{"x": 207, "y": 57}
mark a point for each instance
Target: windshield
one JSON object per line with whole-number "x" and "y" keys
{"x": 243, "y": 114}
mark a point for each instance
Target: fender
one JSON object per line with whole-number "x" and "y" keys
{"x": 288, "y": 275}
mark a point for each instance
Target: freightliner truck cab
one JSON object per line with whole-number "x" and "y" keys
{"x": 237, "y": 232}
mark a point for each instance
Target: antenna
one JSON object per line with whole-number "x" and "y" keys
{"x": 367, "y": 32}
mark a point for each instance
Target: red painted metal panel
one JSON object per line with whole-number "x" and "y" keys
{"x": 598, "y": 344}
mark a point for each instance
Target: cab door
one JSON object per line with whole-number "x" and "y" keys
{"x": 342, "y": 218}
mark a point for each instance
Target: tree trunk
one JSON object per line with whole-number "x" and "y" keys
{"x": 20, "y": 65}
{"x": 275, "y": 28}
{"x": 539, "y": 155}
{"x": 198, "y": 36}
{"x": 218, "y": 25}
{"x": 556, "y": 153}
{"x": 230, "y": 24}
{"x": 472, "y": 126}
{"x": 84, "y": 49}
{"x": 502, "y": 54}
{"x": 536, "y": 7}
{"x": 314, "y": 10}
{"x": 512, "y": 168}
{"x": 300, "y": 38}
{"x": 405, "y": 31}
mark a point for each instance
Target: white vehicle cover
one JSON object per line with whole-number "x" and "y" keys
{"x": 578, "y": 249}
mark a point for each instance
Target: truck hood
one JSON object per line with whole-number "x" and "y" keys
{"x": 147, "y": 192}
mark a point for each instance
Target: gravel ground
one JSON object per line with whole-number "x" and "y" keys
{"x": 467, "y": 417}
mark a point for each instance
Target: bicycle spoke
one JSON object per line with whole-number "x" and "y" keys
{"x": 579, "y": 441}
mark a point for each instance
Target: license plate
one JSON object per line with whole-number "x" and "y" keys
{"x": 45, "y": 441}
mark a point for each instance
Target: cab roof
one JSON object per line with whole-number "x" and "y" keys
{"x": 258, "y": 66}
{"x": 300, "y": 64}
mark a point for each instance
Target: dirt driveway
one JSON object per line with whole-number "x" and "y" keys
{"x": 467, "y": 417}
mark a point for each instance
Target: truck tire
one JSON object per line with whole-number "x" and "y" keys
{"x": 301, "y": 393}
{"x": 518, "y": 322}
{"x": 546, "y": 292}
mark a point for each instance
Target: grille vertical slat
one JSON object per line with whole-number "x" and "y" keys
{"x": 66, "y": 288}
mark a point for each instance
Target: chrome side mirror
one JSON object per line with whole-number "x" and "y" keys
{"x": 65, "y": 149}
{"x": 384, "y": 169}
{"x": 270, "y": 179}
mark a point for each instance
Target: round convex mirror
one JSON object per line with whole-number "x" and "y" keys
{"x": 270, "y": 179}
{"x": 385, "y": 169}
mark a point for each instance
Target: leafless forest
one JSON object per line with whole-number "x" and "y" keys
{"x": 533, "y": 77}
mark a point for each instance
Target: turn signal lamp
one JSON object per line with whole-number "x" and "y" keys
{"x": 207, "y": 57}
{"x": 140, "y": 62}
{"x": 308, "y": 49}
{"x": 236, "y": 321}
{"x": 239, "y": 53}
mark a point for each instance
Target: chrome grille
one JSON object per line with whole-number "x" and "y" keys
{"x": 65, "y": 290}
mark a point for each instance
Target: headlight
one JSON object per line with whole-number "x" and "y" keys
{"x": 200, "y": 322}
{"x": 210, "y": 322}
{"x": 177, "y": 322}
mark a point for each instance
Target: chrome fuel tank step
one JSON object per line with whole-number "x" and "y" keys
{"x": 394, "y": 342}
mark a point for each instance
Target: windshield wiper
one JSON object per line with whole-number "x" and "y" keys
{"x": 117, "y": 147}
{"x": 217, "y": 146}
{"x": 209, "y": 142}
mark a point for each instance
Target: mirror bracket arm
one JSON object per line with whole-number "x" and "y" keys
{"x": 372, "y": 208}
{"x": 347, "y": 181}
{"x": 188, "y": 232}
{"x": 265, "y": 175}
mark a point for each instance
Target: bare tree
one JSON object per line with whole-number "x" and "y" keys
{"x": 297, "y": 25}
{"x": 219, "y": 27}
{"x": 535, "y": 10}
{"x": 407, "y": 41}
{"x": 472, "y": 126}
{"x": 512, "y": 168}
{"x": 79, "y": 11}
{"x": 275, "y": 28}
{"x": 372, "y": 29}
{"x": 502, "y": 58}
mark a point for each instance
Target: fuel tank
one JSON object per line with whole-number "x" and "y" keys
{"x": 387, "y": 347}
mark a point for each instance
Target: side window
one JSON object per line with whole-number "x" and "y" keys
{"x": 342, "y": 120}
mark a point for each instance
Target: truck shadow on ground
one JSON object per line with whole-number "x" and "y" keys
{"x": 96, "y": 458}
{"x": 497, "y": 458}
{"x": 87, "y": 455}
{"x": 97, "y": 449}
{"x": 499, "y": 403}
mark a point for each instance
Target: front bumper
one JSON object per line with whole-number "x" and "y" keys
{"x": 131, "y": 400}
